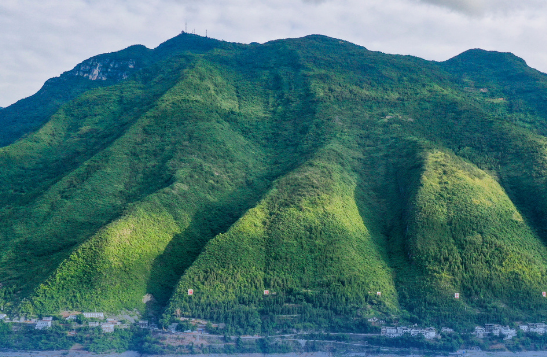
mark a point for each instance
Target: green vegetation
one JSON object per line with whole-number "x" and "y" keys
{"x": 307, "y": 244}
{"x": 312, "y": 168}
{"x": 26, "y": 338}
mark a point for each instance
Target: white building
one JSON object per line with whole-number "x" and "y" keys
{"x": 392, "y": 332}
{"x": 496, "y": 330}
{"x": 509, "y": 333}
{"x": 107, "y": 328}
{"x": 493, "y": 329}
{"x": 479, "y": 332}
{"x": 93, "y": 315}
{"x": 41, "y": 325}
{"x": 3, "y": 316}
{"x": 538, "y": 328}
{"x": 429, "y": 333}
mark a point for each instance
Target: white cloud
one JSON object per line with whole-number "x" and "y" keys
{"x": 483, "y": 7}
{"x": 42, "y": 39}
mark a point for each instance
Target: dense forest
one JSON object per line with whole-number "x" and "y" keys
{"x": 305, "y": 184}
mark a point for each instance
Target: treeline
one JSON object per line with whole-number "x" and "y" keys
{"x": 93, "y": 339}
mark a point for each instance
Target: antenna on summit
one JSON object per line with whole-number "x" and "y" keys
{"x": 186, "y": 26}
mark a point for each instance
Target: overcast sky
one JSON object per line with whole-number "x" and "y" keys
{"x": 40, "y": 39}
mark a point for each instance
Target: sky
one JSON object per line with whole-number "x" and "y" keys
{"x": 40, "y": 39}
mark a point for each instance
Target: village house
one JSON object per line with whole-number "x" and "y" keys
{"x": 93, "y": 315}
{"x": 538, "y": 328}
{"x": 43, "y": 324}
{"x": 492, "y": 329}
{"x": 93, "y": 323}
{"x": 107, "y": 327}
{"x": 143, "y": 324}
{"x": 496, "y": 330}
{"x": 429, "y": 333}
{"x": 392, "y": 332}
{"x": 479, "y": 332}
{"x": 3, "y": 316}
{"x": 509, "y": 333}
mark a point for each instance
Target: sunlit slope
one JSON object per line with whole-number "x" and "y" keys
{"x": 305, "y": 243}
{"x": 464, "y": 235}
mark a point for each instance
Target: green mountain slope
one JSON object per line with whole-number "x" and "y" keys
{"x": 305, "y": 243}
{"x": 312, "y": 168}
{"x": 104, "y": 70}
{"x": 466, "y": 236}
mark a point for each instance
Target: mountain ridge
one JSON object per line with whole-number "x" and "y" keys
{"x": 349, "y": 183}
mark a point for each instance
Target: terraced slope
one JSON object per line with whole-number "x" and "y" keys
{"x": 346, "y": 183}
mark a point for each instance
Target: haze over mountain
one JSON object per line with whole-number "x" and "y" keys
{"x": 347, "y": 183}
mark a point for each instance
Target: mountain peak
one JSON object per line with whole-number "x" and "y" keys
{"x": 482, "y": 58}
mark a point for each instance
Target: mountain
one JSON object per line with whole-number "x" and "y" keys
{"x": 103, "y": 70}
{"x": 302, "y": 183}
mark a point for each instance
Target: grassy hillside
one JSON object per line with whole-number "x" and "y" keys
{"x": 310, "y": 167}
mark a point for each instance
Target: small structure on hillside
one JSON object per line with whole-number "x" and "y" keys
{"x": 496, "y": 330}
{"x": 392, "y": 332}
{"x": 539, "y": 328}
{"x": 43, "y": 324}
{"x": 107, "y": 327}
{"x": 94, "y": 315}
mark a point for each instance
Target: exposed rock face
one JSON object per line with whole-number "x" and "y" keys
{"x": 105, "y": 69}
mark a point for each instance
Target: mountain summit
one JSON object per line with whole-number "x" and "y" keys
{"x": 303, "y": 182}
